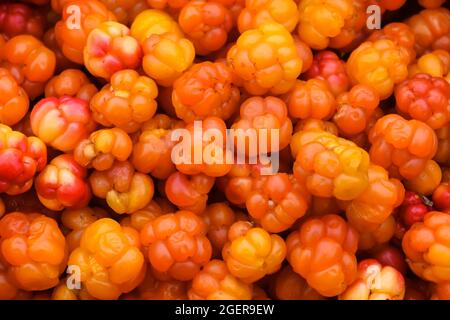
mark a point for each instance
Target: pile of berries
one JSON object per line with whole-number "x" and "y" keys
{"x": 93, "y": 92}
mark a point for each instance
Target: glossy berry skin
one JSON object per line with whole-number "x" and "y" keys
{"x": 126, "y": 102}
{"x": 102, "y": 148}
{"x": 72, "y": 40}
{"x": 443, "y": 150}
{"x": 138, "y": 219}
{"x": 33, "y": 249}
{"x": 14, "y": 100}
{"x": 435, "y": 63}
{"x": 62, "y": 292}
{"x": 72, "y": 83}
{"x": 167, "y": 53}
{"x": 177, "y": 244}
{"x": 237, "y": 184}
{"x": 189, "y": 192}
{"x": 166, "y": 57}
{"x": 355, "y": 109}
{"x": 413, "y": 209}
{"x": 310, "y": 99}
{"x": 372, "y": 207}
{"x": 329, "y": 166}
{"x": 263, "y": 115}
{"x": 288, "y": 285}
{"x": 425, "y": 98}
{"x": 431, "y": 29}
{"x": 318, "y": 125}
{"x": 213, "y": 152}
{"x": 277, "y": 201}
{"x": 441, "y": 197}
{"x": 62, "y": 184}
{"x": 304, "y": 52}
{"x": 126, "y": 10}
{"x": 62, "y": 122}
{"x": 327, "y": 66}
{"x": 125, "y": 190}
{"x": 323, "y": 252}
{"x": 410, "y": 145}
{"x": 110, "y": 48}
{"x": 257, "y": 12}
{"x": 389, "y": 255}
{"x": 251, "y": 252}
{"x": 21, "y": 158}
{"x": 30, "y": 62}
{"x": 154, "y": 22}
{"x": 380, "y": 64}
{"x": 205, "y": 89}
{"x": 215, "y": 282}
{"x": 8, "y": 291}
{"x": 380, "y": 234}
{"x": 18, "y": 18}
{"x": 329, "y": 23}
{"x": 427, "y": 247}
{"x": 77, "y": 220}
{"x": 109, "y": 258}
{"x": 235, "y": 7}
{"x": 375, "y": 282}
{"x": 50, "y": 42}
{"x": 400, "y": 33}
{"x": 219, "y": 217}
{"x": 427, "y": 181}
{"x": 271, "y": 72}
{"x": 206, "y": 24}
{"x": 153, "y": 146}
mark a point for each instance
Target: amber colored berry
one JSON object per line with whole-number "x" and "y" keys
{"x": 124, "y": 189}
{"x": 189, "y": 192}
{"x": 205, "y": 89}
{"x": 402, "y": 147}
{"x": 14, "y": 100}
{"x": 380, "y": 64}
{"x": 251, "y": 253}
{"x": 34, "y": 249}
{"x": 330, "y": 166}
{"x": 323, "y": 252}
{"x": 277, "y": 201}
{"x": 70, "y": 82}
{"x": 102, "y": 148}
{"x": 215, "y": 282}
{"x": 426, "y": 246}
{"x": 177, "y": 244}
{"x": 109, "y": 259}
{"x": 126, "y": 102}
{"x": 257, "y": 60}
{"x": 206, "y": 24}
